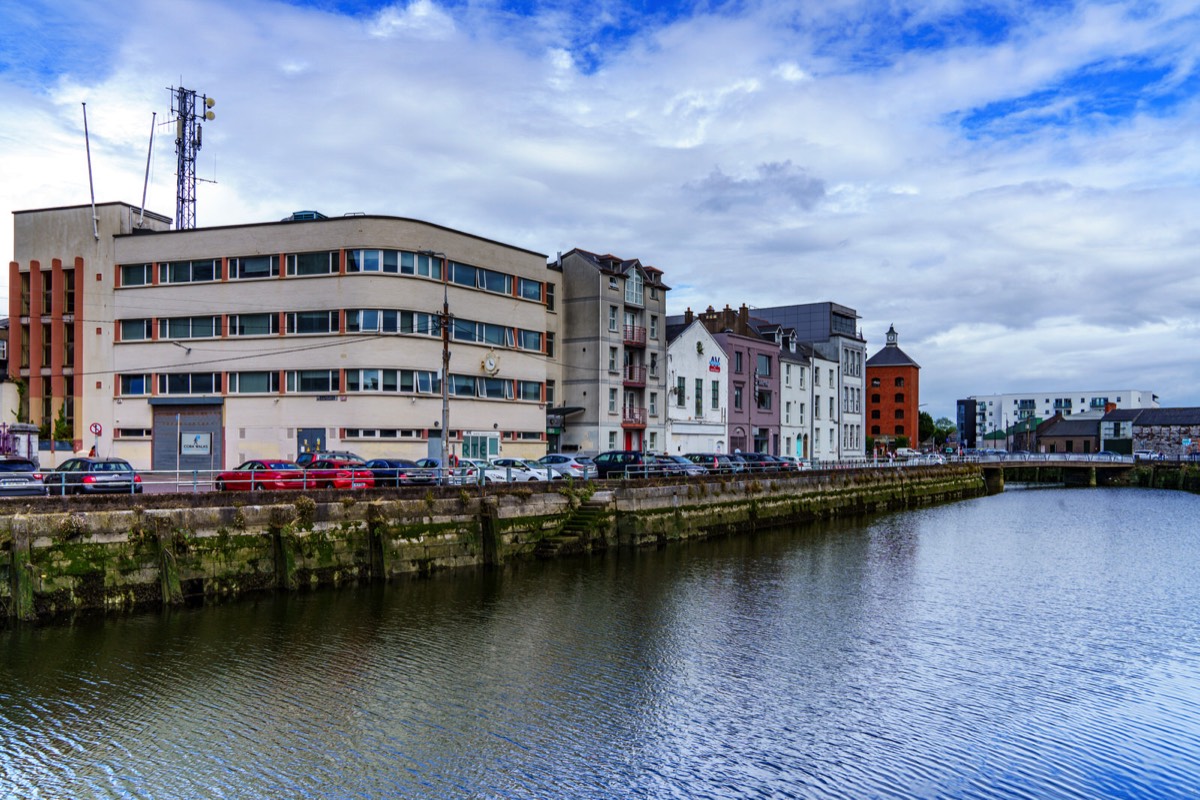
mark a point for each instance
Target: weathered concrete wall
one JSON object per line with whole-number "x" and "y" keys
{"x": 54, "y": 560}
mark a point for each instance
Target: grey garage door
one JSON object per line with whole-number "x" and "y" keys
{"x": 188, "y": 437}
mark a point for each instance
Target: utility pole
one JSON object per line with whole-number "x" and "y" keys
{"x": 445, "y": 323}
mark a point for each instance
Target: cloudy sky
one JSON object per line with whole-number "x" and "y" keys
{"x": 1013, "y": 185}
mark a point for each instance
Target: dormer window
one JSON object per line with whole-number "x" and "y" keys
{"x": 612, "y": 282}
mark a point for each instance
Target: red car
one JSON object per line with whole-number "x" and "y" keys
{"x": 259, "y": 474}
{"x": 337, "y": 473}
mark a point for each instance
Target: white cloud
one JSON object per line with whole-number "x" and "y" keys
{"x": 747, "y": 155}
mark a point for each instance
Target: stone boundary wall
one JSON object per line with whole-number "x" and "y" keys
{"x": 58, "y": 559}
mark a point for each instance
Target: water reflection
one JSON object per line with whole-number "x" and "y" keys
{"x": 1036, "y": 644}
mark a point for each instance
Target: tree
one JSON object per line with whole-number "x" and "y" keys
{"x": 63, "y": 431}
{"x": 925, "y": 428}
{"x": 945, "y": 427}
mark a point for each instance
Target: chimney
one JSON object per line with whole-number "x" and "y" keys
{"x": 687, "y": 316}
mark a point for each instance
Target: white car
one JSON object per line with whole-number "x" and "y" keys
{"x": 521, "y": 469}
{"x": 489, "y": 472}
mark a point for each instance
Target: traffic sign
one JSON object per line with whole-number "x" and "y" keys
{"x": 96, "y": 428}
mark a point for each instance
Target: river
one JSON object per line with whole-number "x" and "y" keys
{"x": 1036, "y": 644}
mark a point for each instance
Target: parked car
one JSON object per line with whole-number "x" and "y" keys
{"x": 429, "y": 470}
{"x": 905, "y": 453}
{"x": 562, "y": 465}
{"x": 20, "y": 477}
{"x": 1148, "y": 455}
{"x": 306, "y": 459}
{"x": 337, "y": 473}
{"x": 490, "y": 472}
{"x": 683, "y": 465}
{"x": 391, "y": 471}
{"x": 760, "y": 462}
{"x": 623, "y": 463}
{"x": 520, "y": 469}
{"x": 1108, "y": 455}
{"x": 715, "y": 462}
{"x": 257, "y": 474}
{"x": 88, "y": 475}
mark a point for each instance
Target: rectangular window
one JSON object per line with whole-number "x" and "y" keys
{"x": 737, "y": 397}
{"x": 634, "y": 288}
{"x": 463, "y": 386}
{"x": 367, "y": 380}
{"x": 653, "y": 327}
{"x": 612, "y": 359}
{"x": 135, "y": 384}
{"x": 302, "y": 322}
{"x": 529, "y": 390}
{"x": 463, "y": 274}
{"x": 612, "y": 318}
{"x": 497, "y": 282}
{"x": 529, "y": 289}
{"x": 549, "y": 296}
{"x": 322, "y": 263}
{"x": 653, "y": 440}
{"x": 135, "y": 275}
{"x": 654, "y": 365}
{"x": 187, "y": 271}
{"x": 787, "y": 375}
{"x": 253, "y": 324}
{"x": 737, "y": 362}
{"x": 699, "y": 398}
{"x": 764, "y": 365}
{"x": 364, "y": 261}
{"x": 787, "y": 413}
{"x": 654, "y": 404}
{"x": 133, "y": 330}
{"x": 313, "y": 380}
{"x": 612, "y": 401}
{"x": 189, "y": 327}
{"x": 549, "y": 344}
{"x": 529, "y": 340}
{"x": 248, "y": 267}
{"x": 681, "y": 392}
{"x": 550, "y": 393}
{"x": 253, "y": 382}
{"x": 612, "y": 440}
{"x": 363, "y": 320}
{"x": 189, "y": 383}
{"x": 716, "y": 395}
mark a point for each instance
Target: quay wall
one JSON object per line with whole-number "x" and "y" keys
{"x": 59, "y": 557}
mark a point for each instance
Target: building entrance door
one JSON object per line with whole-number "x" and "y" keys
{"x": 310, "y": 440}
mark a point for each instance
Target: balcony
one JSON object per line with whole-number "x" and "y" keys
{"x": 635, "y": 375}
{"x": 634, "y": 336}
{"x": 633, "y": 417}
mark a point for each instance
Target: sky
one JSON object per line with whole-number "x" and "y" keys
{"x": 1014, "y": 186}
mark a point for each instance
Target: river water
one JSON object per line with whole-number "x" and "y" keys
{"x": 1036, "y": 644}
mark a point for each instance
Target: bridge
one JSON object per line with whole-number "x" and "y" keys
{"x": 1072, "y": 469}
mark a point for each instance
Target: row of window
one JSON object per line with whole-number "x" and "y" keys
{"x": 875, "y": 383}
{"x": 324, "y": 381}
{"x": 328, "y": 262}
{"x": 875, "y": 414}
{"x": 365, "y": 320}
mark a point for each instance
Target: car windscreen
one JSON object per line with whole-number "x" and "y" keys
{"x": 17, "y": 465}
{"x": 282, "y": 465}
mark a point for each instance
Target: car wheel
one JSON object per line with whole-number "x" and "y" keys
{"x": 328, "y": 485}
{"x": 255, "y": 486}
{"x": 220, "y": 485}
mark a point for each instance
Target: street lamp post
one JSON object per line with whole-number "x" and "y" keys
{"x": 445, "y": 322}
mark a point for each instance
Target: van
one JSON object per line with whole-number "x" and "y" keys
{"x": 907, "y": 452}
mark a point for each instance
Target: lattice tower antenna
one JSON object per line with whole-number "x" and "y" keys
{"x": 188, "y": 139}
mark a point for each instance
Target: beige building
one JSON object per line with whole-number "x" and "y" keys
{"x": 197, "y": 349}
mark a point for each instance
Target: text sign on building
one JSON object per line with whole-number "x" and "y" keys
{"x": 714, "y": 364}
{"x": 195, "y": 444}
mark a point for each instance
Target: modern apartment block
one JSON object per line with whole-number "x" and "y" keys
{"x": 982, "y": 416}
{"x": 893, "y": 395}
{"x": 612, "y": 351}
{"x": 832, "y": 332}
{"x": 196, "y": 349}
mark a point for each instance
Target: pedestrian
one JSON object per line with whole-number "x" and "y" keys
{"x": 92, "y": 452}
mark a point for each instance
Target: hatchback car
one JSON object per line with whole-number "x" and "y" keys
{"x": 94, "y": 476}
{"x": 681, "y": 465}
{"x": 564, "y": 465}
{"x": 20, "y": 477}
{"x": 305, "y": 459}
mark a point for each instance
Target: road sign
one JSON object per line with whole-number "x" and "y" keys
{"x": 96, "y": 428}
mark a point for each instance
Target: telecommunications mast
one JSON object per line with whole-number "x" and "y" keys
{"x": 188, "y": 138}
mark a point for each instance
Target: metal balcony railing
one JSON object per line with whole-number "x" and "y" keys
{"x": 633, "y": 417}
{"x": 635, "y": 375}
{"x": 634, "y": 335}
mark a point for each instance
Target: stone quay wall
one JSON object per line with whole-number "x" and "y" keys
{"x": 61, "y": 557}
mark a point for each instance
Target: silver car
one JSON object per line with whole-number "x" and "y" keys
{"x": 562, "y": 466}
{"x": 20, "y": 477}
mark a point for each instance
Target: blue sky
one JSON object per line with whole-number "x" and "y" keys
{"x": 1012, "y": 185}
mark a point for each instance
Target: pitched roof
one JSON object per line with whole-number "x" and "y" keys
{"x": 1168, "y": 416}
{"x": 891, "y": 356}
{"x": 1073, "y": 427}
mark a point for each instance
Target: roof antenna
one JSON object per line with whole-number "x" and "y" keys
{"x": 91, "y": 187}
{"x": 146, "y": 182}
